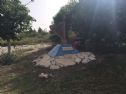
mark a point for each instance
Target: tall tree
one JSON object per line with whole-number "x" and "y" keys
{"x": 40, "y": 30}
{"x": 13, "y": 20}
{"x": 100, "y": 23}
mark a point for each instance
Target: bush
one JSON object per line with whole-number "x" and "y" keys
{"x": 6, "y": 58}
{"x": 55, "y": 39}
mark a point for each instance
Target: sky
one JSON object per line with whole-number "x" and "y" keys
{"x": 44, "y": 11}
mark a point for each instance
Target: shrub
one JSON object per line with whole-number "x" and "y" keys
{"x": 6, "y": 59}
{"x": 55, "y": 39}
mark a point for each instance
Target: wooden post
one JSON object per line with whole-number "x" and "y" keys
{"x": 64, "y": 40}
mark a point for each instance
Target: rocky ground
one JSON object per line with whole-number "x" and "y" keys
{"x": 64, "y": 61}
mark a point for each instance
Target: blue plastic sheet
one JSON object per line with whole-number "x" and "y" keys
{"x": 62, "y": 49}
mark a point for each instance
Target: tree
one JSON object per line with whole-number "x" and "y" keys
{"x": 64, "y": 15}
{"x": 40, "y": 30}
{"x": 101, "y": 24}
{"x": 14, "y": 19}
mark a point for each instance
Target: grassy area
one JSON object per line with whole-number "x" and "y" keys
{"x": 29, "y": 38}
{"x": 105, "y": 76}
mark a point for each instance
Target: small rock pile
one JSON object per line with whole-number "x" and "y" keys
{"x": 64, "y": 61}
{"x": 45, "y": 75}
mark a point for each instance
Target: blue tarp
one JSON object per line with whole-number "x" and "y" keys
{"x": 58, "y": 50}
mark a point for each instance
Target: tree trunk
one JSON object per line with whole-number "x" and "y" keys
{"x": 9, "y": 46}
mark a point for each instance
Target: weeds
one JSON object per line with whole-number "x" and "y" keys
{"x": 6, "y": 58}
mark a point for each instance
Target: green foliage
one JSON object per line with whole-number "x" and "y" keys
{"x": 55, "y": 39}
{"x": 64, "y": 11}
{"x": 40, "y": 30}
{"x": 97, "y": 33}
{"x": 63, "y": 15}
{"x": 7, "y": 58}
{"x": 14, "y": 19}
{"x": 29, "y": 38}
{"x": 34, "y": 37}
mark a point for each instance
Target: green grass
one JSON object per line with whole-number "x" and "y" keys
{"x": 28, "y": 38}
{"x": 105, "y": 76}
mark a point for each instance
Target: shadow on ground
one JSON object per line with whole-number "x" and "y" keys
{"x": 105, "y": 76}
